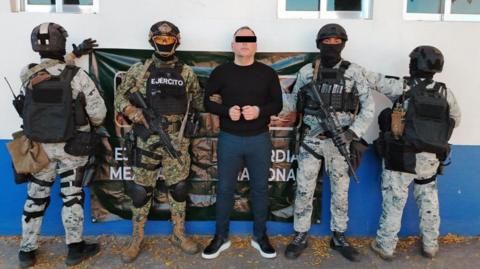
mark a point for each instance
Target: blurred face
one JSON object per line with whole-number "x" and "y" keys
{"x": 332, "y": 41}
{"x": 244, "y": 49}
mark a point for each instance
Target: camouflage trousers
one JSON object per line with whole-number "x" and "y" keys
{"x": 64, "y": 165}
{"x": 172, "y": 170}
{"x": 395, "y": 193}
{"x": 308, "y": 169}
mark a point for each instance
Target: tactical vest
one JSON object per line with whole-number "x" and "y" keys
{"x": 332, "y": 90}
{"x": 48, "y": 111}
{"x": 428, "y": 125}
{"x": 166, "y": 90}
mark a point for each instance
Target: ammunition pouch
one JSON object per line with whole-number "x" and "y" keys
{"x": 83, "y": 144}
{"x": 398, "y": 155}
{"x": 192, "y": 126}
{"x": 79, "y": 114}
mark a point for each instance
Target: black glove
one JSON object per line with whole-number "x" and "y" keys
{"x": 85, "y": 47}
{"x": 344, "y": 138}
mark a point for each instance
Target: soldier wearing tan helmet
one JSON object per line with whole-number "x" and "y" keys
{"x": 168, "y": 88}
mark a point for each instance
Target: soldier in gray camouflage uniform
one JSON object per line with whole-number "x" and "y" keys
{"x": 167, "y": 85}
{"x": 423, "y": 146}
{"x": 352, "y": 83}
{"x": 49, "y": 40}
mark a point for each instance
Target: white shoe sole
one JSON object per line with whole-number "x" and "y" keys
{"x": 256, "y": 246}
{"x": 222, "y": 248}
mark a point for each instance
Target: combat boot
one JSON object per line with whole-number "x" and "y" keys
{"x": 340, "y": 244}
{"x": 297, "y": 246}
{"x": 26, "y": 258}
{"x": 131, "y": 253}
{"x": 380, "y": 252}
{"x": 179, "y": 239}
{"x": 77, "y": 252}
{"x": 429, "y": 252}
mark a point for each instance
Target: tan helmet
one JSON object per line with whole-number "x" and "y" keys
{"x": 49, "y": 37}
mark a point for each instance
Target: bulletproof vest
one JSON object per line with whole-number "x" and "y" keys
{"x": 428, "y": 125}
{"x": 332, "y": 89}
{"x": 48, "y": 111}
{"x": 166, "y": 90}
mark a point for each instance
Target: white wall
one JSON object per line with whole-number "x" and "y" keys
{"x": 381, "y": 44}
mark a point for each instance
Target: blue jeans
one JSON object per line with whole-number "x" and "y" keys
{"x": 255, "y": 153}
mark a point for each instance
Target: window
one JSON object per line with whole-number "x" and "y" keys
{"x": 325, "y": 9}
{"x": 462, "y": 10}
{"x": 438, "y": 10}
{"x": 59, "y": 6}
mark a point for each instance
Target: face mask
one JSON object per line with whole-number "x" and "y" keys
{"x": 330, "y": 54}
{"x": 415, "y": 73}
{"x": 58, "y": 55}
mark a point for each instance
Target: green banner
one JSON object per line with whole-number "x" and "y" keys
{"x": 109, "y": 200}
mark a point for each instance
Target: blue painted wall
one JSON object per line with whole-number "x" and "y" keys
{"x": 458, "y": 190}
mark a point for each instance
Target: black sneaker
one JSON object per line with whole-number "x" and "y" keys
{"x": 264, "y": 247}
{"x": 26, "y": 258}
{"x": 77, "y": 252}
{"x": 340, "y": 244}
{"x": 297, "y": 246}
{"x": 216, "y": 246}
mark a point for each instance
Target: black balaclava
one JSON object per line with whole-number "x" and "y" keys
{"x": 57, "y": 55}
{"x": 415, "y": 73}
{"x": 165, "y": 48}
{"x": 330, "y": 54}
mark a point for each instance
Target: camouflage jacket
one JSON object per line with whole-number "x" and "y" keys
{"x": 355, "y": 77}
{"x": 135, "y": 71}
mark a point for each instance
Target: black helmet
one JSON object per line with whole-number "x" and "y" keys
{"x": 332, "y": 30}
{"x": 48, "y": 37}
{"x": 164, "y": 28}
{"x": 427, "y": 59}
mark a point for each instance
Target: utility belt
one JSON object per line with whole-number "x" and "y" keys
{"x": 168, "y": 127}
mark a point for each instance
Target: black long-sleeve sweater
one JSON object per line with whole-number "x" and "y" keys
{"x": 255, "y": 85}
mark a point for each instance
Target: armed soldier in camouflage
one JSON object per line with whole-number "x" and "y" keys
{"x": 413, "y": 144}
{"x": 49, "y": 118}
{"x": 343, "y": 86}
{"x": 168, "y": 88}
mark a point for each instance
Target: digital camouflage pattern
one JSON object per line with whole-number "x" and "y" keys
{"x": 395, "y": 184}
{"x": 60, "y": 161}
{"x": 336, "y": 167}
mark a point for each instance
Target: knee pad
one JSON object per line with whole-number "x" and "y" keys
{"x": 179, "y": 191}
{"x": 140, "y": 195}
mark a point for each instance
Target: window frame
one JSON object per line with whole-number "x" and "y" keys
{"x": 449, "y": 16}
{"x": 323, "y": 13}
{"x": 59, "y": 7}
{"x": 422, "y": 16}
{"x": 445, "y": 14}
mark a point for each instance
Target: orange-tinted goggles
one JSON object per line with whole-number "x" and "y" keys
{"x": 164, "y": 39}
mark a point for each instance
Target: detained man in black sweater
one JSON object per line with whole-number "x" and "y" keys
{"x": 250, "y": 93}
